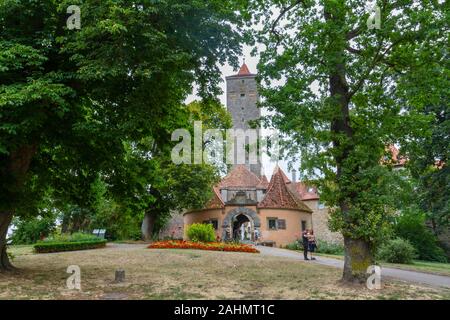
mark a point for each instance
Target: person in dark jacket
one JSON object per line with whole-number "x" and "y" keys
{"x": 305, "y": 243}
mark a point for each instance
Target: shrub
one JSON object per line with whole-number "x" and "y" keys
{"x": 74, "y": 237}
{"x": 396, "y": 251}
{"x": 49, "y": 246}
{"x": 294, "y": 246}
{"x": 203, "y": 232}
{"x": 33, "y": 229}
{"x": 411, "y": 226}
{"x": 329, "y": 247}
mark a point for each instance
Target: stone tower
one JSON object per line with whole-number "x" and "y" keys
{"x": 242, "y": 96}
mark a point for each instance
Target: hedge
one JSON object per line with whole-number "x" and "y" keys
{"x": 47, "y": 247}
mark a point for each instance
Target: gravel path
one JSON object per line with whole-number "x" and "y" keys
{"x": 409, "y": 276}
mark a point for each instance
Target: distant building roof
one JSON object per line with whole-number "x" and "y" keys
{"x": 305, "y": 191}
{"x": 396, "y": 159}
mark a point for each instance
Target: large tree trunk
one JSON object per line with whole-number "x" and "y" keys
{"x": 5, "y": 221}
{"x": 15, "y": 171}
{"x": 147, "y": 226}
{"x": 357, "y": 258}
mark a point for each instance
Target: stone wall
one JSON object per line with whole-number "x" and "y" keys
{"x": 174, "y": 228}
{"x": 320, "y": 218}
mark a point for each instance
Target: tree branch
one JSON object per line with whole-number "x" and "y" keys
{"x": 378, "y": 57}
{"x": 282, "y": 13}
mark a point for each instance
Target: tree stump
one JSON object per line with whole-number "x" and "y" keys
{"x": 120, "y": 275}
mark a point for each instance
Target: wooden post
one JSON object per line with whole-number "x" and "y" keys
{"x": 120, "y": 275}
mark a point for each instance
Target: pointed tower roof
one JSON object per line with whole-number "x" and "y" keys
{"x": 239, "y": 177}
{"x": 278, "y": 194}
{"x": 278, "y": 169}
{"x": 243, "y": 71}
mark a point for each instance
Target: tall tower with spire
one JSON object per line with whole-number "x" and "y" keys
{"x": 242, "y": 97}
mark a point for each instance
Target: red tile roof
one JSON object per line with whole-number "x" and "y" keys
{"x": 216, "y": 201}
{"x": 243, "y": 71}
{"x": 285, "y": 178}
{"x": 278, "y": 194}
{"x": 263, "y": 183}
{"x": 396, "y": 159}
{"x": 240, "y": 177}
{"x": 306, "y": 192}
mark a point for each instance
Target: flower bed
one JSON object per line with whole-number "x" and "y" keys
{"x": 214, "y": 246}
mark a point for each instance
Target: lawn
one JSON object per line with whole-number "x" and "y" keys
{"x": 417, "y": 265}
{"x": 186, "y": 274}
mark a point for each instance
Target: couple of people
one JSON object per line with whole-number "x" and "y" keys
{"x": 309, "y": 243}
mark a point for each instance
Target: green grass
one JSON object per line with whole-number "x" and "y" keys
{"x": 187, "y": 274}
{"x": 20, "y": 250}
{"x": 417, "y": 265}
{"x": 423, "y": 266}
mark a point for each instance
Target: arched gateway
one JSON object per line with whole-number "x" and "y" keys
{"x": 234, "y": 220}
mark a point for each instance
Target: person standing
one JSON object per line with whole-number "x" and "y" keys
{"x": 312, "y": 245}
{"x": 305, "y": 243}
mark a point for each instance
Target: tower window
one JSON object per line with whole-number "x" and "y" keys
{"x": 243, "y": 80}
{"x": 242, "y": 95}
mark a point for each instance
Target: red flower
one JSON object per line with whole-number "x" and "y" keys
{"x": 213, "y": 246}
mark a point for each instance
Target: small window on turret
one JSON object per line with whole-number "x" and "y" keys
{"x": 242, "y": 95}
{"x": 243, "y": 81}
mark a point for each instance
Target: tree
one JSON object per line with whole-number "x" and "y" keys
{"x": 428, "y": 161}
{"x": 71, "y": 100}
{"x": 178, "y": 187}
{"x": 339, "y": 90}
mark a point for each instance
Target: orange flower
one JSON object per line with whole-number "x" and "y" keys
{"x": 214, "y": 246}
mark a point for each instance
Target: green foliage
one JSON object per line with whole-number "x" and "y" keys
{"x": 296, "y": 245}
{"x": 74, "y": 237}
{"x": 329, "y": 247}
{"x": 411, "y": 226}
{"x": 429, "y": 155}
{"x": 341, "y": 93}
{"x": 32, "y": 229}
{"x": 396, "y": 251}
{"x": 11, "y": 256}
{"x": 120, "y": 221}
{"x": 101, "y": 102}
{"x": 53, "y": 246}
{"x": 202, "y": 232}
